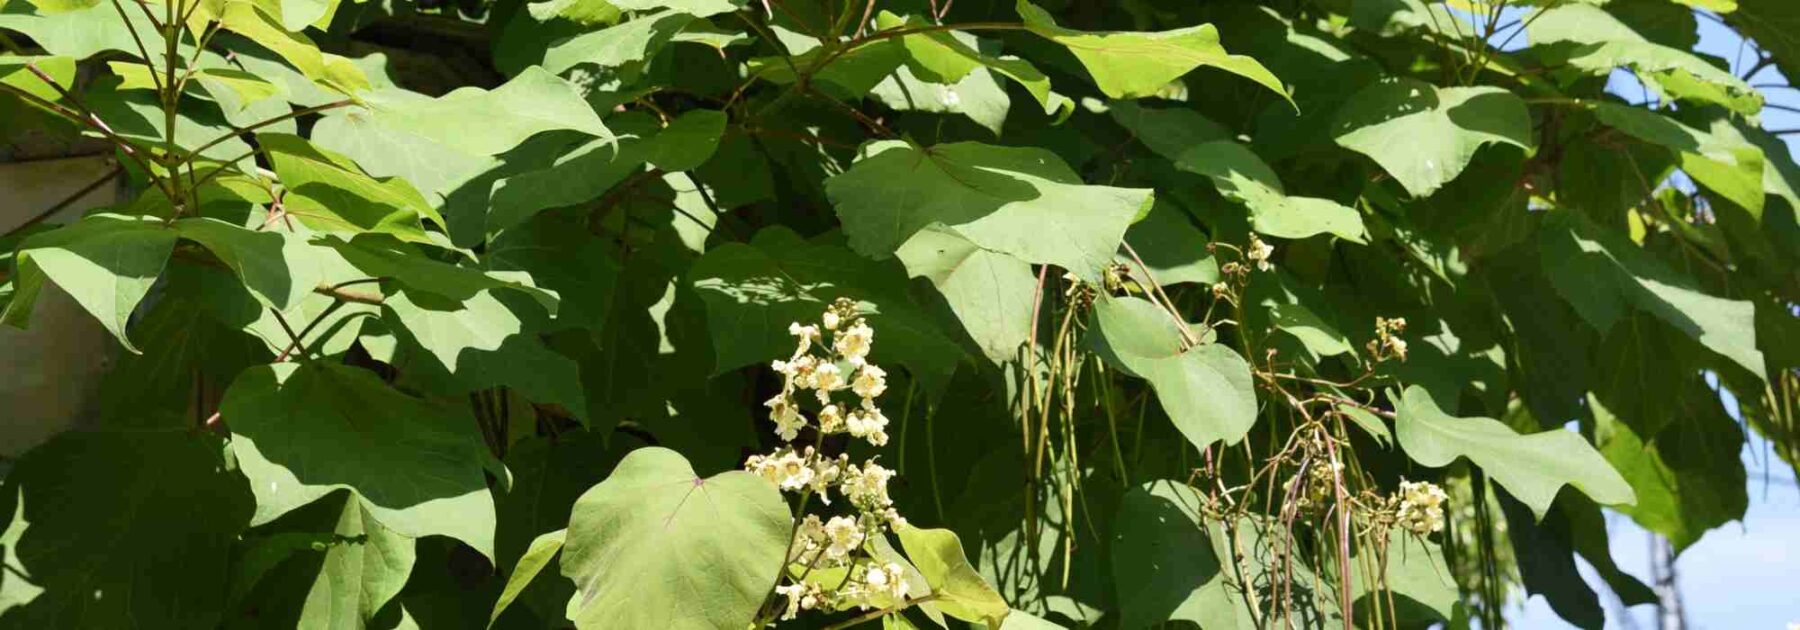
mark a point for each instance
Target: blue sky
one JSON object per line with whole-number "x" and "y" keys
{"x": 1744, "y": 575}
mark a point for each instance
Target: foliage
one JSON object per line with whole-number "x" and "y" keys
{"x": 1232, "y": 314}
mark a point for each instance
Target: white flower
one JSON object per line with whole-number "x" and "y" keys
{"x": 763, "y": 467}
{"x": 800, "y": 371}
{"x": 842, "y": 536}
{"x": 868, "y": 423}
{"x": 854, "y": 342}
{"x": 825, "y": 473}
{"x": 1421, "y": 507}
{"x": 794, "y": 593}
{"x": 1260, "y": 253}
{"x": 830, "y": 319}
{"x": 870, "y": 381}
{"x": 888, "y": 578}
{"x": 827, "y": 377}
{"x": 786, "y": 416}
{"x": 867, "y": 486}
{"x": 831, "y": 419}
{"x": 792, "y": 471}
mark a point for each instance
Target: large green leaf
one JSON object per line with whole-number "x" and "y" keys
{"x": 1134, "y": 65}
{"x": 752, "y": 292}
{"x": 385, "y": 258}
{"x": 279, "y": 267}
{"x": 990, "y": 292}
{"x": 328, "y": 192}
{"x": 1688, "y": 478}
{"x": 1724, "y": 162}
{"x": 1533, "y": 467}
{"x": 1605, "y": 277}
{"x": 252, "y": 20}
{"x": 1243, "y": 177}
{"x": 1171, "y": 246}
{"x": 482, "y": 343}
{"x": 428, "y": 141}
{"x": 119, "y": 530}
{"x": 77, "y": 34}
{"x": 657, "y": 546}
{"x": 1591, "y": 39}
{"x": 1205, "y": 390}
{"x": 1019, "y": 201}
{"x": 960, "y": 591}
{"x": 328, "y": 564}
{"x": 1162, "y": 561}
{"x": 107, "y": 262}
{"x": 1424, "y": 135}
{"x": 303, "y": 431}
{"x": 950, "y": 57}
{"x": 624, "y": 48}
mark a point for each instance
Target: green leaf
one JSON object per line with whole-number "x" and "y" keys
{"x": 303, "y": 431}
{"x": 427, "y": 141}
{"x": 1414, "y": 573}
{"x": 16, "y": 71}
{"x": 107, "y": 262}
{"x": 990, "y": 292}
{"x": 119, "y": 529}
{"x": 247, "y": 18}
{"x": 1243, "y": 177}
{"x": 846, "y": 76}
{"x": 655, "y": 545}
{"x": 752, "y": 292}
{"x": 327, "y": 192}
{"x": 1688, "y": 478}
{"x": 481, "y": 342}
{"x": 364, "y": 566}
{"x": 696, "y": 8}
{"x": 949, "y": 57}
{"x": 77, "y": 34}
{"x": 543, "y": 549}
{"x": 960, "y": 590}
{"x": 1019, "y": 201}
{"x": 1168, "y": 131}
{"x": 1163, "y": 563}
{"x": 1591, "y": 39}
{"x": 277, "y": 266}
{"x": 1135, "y": 65}
{"x": 1171, "y": 246}
{"x": 386, "y": 258}
{"x": 1533, "y": 467}
{"x": 1205, "y": 390}
{"x": 624, "y": 49}
{"x": 1424, "y": 135}
{"x": 1725, "y": 163}
{"x": 1604, "y": 277}
{"x": 489, "y": 122}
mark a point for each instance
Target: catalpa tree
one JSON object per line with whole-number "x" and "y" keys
{"x": 679, "y": 314}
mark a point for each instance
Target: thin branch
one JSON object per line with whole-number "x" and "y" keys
{"x": 877, "y": 614}
{"x": 235, "y": 132}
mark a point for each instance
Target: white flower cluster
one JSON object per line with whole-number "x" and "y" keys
{"x": 1260, "y": 254}
{"x": 828, "y": 359}
{"x": 1421, "y": 507}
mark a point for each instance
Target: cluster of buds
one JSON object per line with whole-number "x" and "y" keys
{"x": 1387, "y": 343}
{"x": 832, "y": 563}
{"x": 1319, "y": 488}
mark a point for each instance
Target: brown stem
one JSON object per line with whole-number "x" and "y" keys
{"x": 877, "y": 614}
{"x": 288, "y": 116}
